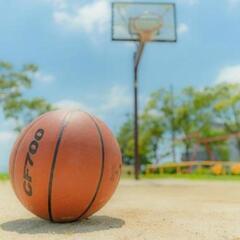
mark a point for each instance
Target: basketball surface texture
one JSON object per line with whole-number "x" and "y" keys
{"x": 65, "y": 165}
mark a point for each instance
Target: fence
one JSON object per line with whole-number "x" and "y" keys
{"x": 185, "y": 167}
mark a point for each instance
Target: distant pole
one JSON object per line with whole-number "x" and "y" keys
{"x": 137, "y": 162}
{"x": 173, "y": 123}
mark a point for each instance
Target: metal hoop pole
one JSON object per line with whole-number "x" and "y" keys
{"x": 137, "y": 58}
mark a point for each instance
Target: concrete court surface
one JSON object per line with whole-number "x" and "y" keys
{"x": 144, "y": 210}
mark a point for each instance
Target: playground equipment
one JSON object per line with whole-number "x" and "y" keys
{"x": 206, "y": 142}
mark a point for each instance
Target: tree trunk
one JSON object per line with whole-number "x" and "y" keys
{"x": 155, "y": 149}
{"x": 187, "y": 151}
{"x": 238, "y": 145}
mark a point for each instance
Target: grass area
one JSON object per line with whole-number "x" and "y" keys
{"x": 4, "y": 176}
{"x": 190, "y": 176}
{"x": 193, "y": 177}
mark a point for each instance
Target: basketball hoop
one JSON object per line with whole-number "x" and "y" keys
{"x": 146, "y": 26}
{"x": 142, "y": 22}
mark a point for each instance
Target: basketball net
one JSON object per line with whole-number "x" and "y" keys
{"x": 146, "y": 33}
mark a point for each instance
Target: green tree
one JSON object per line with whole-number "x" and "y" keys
{"x": 150, "y": 134}
{"x": 13, "y": 84}
{"x": 189, "y": 115}
{"x": 227, "y": 107}
{"x": 125, "y": 139}
{"x": 163, "y": 103}
{"x": 183, "y": 114}
{"x": 209, "y": 112}
{"x": 195, "y": 116}
{"x": 151, "y": 130}
{"x": 192, "y": 114}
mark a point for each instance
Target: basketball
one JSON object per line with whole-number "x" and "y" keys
{"x": 65, "y": 165}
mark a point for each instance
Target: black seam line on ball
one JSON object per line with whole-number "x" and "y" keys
{"x": 102, "y": 167}
{"x": 17, "y": 149}
{"x": 60, "y": 135}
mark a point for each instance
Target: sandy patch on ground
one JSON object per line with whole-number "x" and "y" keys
{"x": 147, "y": 210}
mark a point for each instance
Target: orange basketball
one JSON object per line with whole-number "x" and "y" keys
{"x": 65, "y": 165}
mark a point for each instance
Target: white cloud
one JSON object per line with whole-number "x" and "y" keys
{"x": 8, "y": 124}
{"x": 183, "y": 28}
{"x": 229, "y": 74}
{"x": 90, "y": 18}
{"x": 7, "y": 136}
{"x": 189, "y": 2}
{"x": 43, "y": 77}
{"x": 233, "y": 3}
{"x": 72, "y": 105}
{"x": 153, "y": 112}
{"x": 56, "y": 4}
{"x": 117, "y": 98}
{"x": 59, "y": 4}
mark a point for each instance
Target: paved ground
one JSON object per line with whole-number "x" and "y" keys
{"x": 146, "y": 210}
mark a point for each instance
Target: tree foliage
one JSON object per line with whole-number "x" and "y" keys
{"x": 150, "y": 133}
{"x": 13, "y": 85}
{"x": 206, "y": 112}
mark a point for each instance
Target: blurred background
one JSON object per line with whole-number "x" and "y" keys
{"x": 58, "y": 53}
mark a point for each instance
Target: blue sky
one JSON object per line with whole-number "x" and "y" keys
{"x": 80, "y": 66}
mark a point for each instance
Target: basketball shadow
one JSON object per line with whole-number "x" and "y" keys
{"x": 38, "y": 226}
